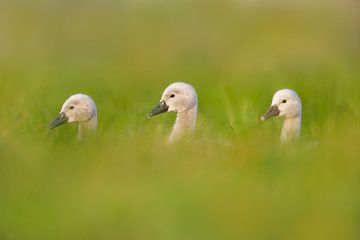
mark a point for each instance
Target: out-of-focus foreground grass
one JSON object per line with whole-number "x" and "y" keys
{"x": 233, "y": 180}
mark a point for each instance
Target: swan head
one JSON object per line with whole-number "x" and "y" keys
{"x": 177, "y": 97}
{"x": 285, "y": 103}
{"x": 77, "y": 108}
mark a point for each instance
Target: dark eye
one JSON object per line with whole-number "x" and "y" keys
{"x": 71, "y": 107}
{"x": 172, "y": 95}
{"x": 284, "y": 101}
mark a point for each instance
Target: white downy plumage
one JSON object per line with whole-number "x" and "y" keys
{"x": 181, "y": 98}
{"x": 286, "y": 103}
{"x": 81, "y": 109}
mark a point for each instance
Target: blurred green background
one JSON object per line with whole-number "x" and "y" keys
{"x": 232, "y": 180}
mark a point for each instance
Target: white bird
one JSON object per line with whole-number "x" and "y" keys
{"x": 286, "y": 103}
{"x": 181, "y": 98}
{"x": 81, "y": 109}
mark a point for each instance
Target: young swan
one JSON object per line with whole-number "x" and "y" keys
{"x": 286, "y": 103}
{"x": 81, "y": 109}
{"x": 181, "y": 98}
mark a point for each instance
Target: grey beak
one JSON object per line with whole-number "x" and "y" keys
{"x": 161, "y": 108}
{"x": 272, "y": 112}
{"x": 60, "y": 119}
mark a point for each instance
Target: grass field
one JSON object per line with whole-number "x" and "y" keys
{"x": 233, "y": 180}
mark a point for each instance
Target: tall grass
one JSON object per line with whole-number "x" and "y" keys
{"x": 232, "y": 180}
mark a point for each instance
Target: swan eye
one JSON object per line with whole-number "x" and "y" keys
{"x": 172, "y": 95}
{"x": 284, "y": 101}
{"x": 71, "y": 107}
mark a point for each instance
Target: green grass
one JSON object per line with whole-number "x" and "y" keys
{"x": 233, "y": 180}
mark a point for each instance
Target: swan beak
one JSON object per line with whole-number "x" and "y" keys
{"x": 272, "y": 112}
{"x": 60, "y": 119}
{"x": 161, "y": 108}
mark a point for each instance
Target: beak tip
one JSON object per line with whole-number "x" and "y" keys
{"x": 50, "y": 125}
{"x": 161, "y": 108}
{"x": 271, "y": 112}
{"x": 59, "y": 120}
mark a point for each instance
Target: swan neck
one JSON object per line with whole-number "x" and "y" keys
{"x": 291, "y": 129}
{"x": 87, "y": 128}
{"x": 184, "y": 124}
